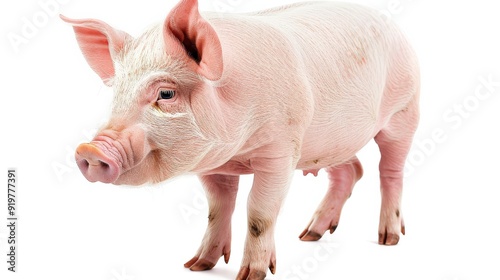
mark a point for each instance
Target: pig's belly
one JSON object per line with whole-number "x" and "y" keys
{"x": 334, "y": 144}
{"x": 319, "y": 150}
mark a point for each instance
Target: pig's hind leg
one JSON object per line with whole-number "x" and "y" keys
{"x": 221, "y": 193}
{"x": 342, "y": 180}
{"x": 394, "y": 142}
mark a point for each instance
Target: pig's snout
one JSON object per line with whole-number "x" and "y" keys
{"x": 95, "y": 165}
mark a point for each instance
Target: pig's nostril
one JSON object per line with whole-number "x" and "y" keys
{"x": 83, "y": 164}
{"x": 103, "y": 165}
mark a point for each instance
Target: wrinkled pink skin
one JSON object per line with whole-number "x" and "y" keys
{"x": 302, "y": 87}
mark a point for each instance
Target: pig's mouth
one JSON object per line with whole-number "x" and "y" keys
{"x": 105, "y": 159}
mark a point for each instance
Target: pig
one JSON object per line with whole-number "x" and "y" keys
{"x": 299, "y": 87}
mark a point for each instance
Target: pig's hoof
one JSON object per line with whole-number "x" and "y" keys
{"x": 199, "y": 264}
{"x": 389, "y": 229}
{"x": 308, "y": 235}
{"x": 257, "y": 270}
{"x": 249, "y": 274}
{"x": 388, "y": 238}
{"x": 209, "y": 254}
{"x": 196, "y": 264}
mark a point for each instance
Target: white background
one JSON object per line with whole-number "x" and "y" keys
{"x": 72, "y": 229}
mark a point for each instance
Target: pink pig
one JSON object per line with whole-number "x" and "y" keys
{"x": 304, "y": 86}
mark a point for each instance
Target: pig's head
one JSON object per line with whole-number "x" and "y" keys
{"x": 162, "y": 121}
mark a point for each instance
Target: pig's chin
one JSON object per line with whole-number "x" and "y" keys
{"x": 143, "y": 173}
{"x": 130, "y": 178}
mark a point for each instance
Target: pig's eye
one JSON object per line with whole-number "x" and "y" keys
{"x": 166, "y": 94}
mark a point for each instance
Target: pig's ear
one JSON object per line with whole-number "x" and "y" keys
{"x": 186, "y": 32}
{"x": 99, "y": 43}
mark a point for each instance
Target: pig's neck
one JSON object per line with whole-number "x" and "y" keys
{"x": 226, "y": 121}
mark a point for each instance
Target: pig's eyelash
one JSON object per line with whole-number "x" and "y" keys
{"x": 152, "y": 85}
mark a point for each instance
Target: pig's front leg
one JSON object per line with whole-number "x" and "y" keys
{"x": 221, "y": 193}
{"x": 271, "y": 181}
